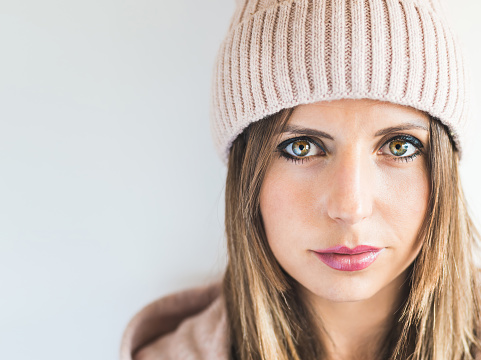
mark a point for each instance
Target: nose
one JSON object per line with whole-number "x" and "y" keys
{"x": 350, "y": 195}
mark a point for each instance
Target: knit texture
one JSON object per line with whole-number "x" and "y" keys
{"x": 279, "y": 54}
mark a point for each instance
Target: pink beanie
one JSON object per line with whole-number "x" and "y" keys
{"x": 281, "y": 53}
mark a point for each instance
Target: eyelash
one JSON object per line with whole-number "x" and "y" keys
{"x": 408, "y": 138}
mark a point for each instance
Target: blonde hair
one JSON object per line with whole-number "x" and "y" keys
{"x": 267, "y": 320}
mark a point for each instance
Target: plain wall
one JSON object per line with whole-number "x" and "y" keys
{"x": 111, "y": 192}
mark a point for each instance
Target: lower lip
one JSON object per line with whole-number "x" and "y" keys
{"x": 345, "y": 262}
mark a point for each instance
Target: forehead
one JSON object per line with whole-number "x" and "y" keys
{"x": 356, "y": 114}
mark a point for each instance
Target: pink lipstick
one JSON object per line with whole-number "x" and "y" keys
{"x": 343, "y": 258}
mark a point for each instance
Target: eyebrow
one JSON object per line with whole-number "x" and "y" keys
{"x": 406, "y": 126}
{"x": 295, "y": 129}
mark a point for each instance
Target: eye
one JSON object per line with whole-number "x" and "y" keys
{"x": 299, "y": 148}
{"x": 402, "y": 147}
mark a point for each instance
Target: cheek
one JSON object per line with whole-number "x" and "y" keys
{"x": 407, "y": 187}
{"x": 275, "y": 204}
{"x": 402, "y": 203}
{"x": 288, "y": 208}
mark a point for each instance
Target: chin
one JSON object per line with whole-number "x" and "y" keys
{"x": 345, "y": 297}
{"x": 346, "y": 289}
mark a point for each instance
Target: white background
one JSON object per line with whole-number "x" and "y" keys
{"x": 111, "y": 193}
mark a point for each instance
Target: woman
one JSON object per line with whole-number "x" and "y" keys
{"x": 348, "y": 235}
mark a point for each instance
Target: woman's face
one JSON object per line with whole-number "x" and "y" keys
{"x": 347, "y": 173}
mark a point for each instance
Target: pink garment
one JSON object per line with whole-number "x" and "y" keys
{"x": 188, "y": 325}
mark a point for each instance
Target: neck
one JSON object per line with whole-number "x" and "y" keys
{"x": 357, "y": 329}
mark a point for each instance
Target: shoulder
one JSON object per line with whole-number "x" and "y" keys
{"x": 200, "y": 337}
{"x": 190, "y": 324}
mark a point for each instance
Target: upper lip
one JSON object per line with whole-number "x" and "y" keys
{"x": 341, "y": 249}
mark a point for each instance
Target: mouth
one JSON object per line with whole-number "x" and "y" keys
{"x": 341, "y": 249}
{"x": 345, "y": 259}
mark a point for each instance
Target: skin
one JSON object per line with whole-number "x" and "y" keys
{"x": 351, "y": 192}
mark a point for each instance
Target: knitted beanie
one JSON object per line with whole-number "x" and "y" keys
{"x": 281, "y": 53}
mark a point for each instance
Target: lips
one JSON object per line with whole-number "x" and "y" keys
{"x": 341, "y": 249}
{"x": 345, "y": 259}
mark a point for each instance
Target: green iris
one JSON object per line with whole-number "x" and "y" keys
{"x": 398, "y": 147}
{"x": 300, "y": 147}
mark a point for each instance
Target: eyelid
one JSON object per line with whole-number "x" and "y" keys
{"x": 409, "y": 138}
{"x": 286, "y": 142}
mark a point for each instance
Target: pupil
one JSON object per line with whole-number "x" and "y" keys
{"x": 301, "y": 147}
{"x": 398, "y": 146}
